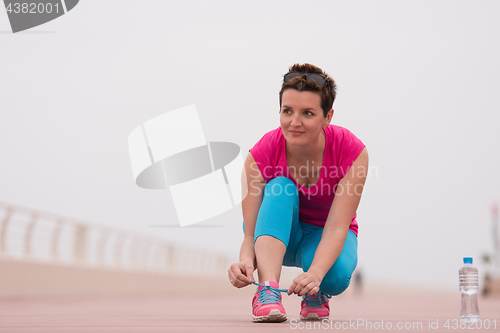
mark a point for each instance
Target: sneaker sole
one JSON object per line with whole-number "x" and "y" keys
{"x": 313, "y": 316}
{"x": 274, "y": 316}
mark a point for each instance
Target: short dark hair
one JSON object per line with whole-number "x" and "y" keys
{"x": 327, "y": 92}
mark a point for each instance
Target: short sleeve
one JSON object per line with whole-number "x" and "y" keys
{"x": 265, "y": 154}
{"x": 349, "y": 148}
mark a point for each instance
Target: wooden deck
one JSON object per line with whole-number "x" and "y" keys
{"x": 215, "y": 306}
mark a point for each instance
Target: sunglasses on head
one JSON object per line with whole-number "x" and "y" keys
{"x": 312, "y": 78}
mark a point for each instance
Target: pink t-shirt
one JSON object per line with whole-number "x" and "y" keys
{"x": 341, "y": 150}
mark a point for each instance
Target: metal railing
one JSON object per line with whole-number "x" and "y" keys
{"x": 27, "y": 234}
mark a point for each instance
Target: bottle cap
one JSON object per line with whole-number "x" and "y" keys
{"x": 467, "y": 260}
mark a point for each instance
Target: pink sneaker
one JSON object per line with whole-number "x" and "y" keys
{"x": 315, "y": 307}
{"x": 266, "y": 303}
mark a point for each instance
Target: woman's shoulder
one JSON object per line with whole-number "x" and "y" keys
{"x": 268, "y": 143}
{"x": 338, "y": 134}
{"x": 339, "y": 131}
{"x": 345, "y": 147}
{"x": 267, "y": 153}
{"x": 343, "y": 140}
{"x": 270, "y": 138}
{"x": 275, "y": 134}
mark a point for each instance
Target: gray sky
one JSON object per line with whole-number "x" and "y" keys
{"x": 418, "y": 83}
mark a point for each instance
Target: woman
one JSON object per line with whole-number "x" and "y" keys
{"x": 304, "y": 182}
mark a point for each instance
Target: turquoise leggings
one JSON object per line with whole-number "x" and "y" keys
{"x": 279, "y": 217}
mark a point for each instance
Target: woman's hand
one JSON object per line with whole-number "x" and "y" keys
{"x": 241, "y": 274}
{"x": 305, "y": 283}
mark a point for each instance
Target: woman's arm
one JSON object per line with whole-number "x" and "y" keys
{"x": 344, "y": 205}
{"x": 253, "y": 185}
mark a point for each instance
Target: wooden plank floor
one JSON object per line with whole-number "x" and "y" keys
{"x": 215, "y": 306}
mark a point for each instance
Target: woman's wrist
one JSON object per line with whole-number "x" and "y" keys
{"x": 248, "y": 255}
{"x": 247, "y": 259}
{"x": 316, "y": 272}
{"x": 247, "y": 252}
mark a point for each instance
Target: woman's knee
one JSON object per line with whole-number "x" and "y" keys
{"x": 338, "y": 277}
{"x": 335, "y": 282}
{"x": 281, "y": 186}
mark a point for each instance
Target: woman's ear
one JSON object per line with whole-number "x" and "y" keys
{"x": 328, "y": 118}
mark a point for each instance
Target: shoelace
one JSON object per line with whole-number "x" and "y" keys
{"x": 272, "y": 297}
{"x": 315, "y": 301}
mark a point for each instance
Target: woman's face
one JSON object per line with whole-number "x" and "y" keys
{"x": 301, "y": 117}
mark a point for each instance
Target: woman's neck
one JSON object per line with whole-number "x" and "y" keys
{"x": 312, "y": 151}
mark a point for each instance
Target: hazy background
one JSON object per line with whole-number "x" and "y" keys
{"x": 418, "y": 83}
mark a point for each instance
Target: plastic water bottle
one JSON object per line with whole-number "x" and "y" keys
{"x": 469, "y": 311}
